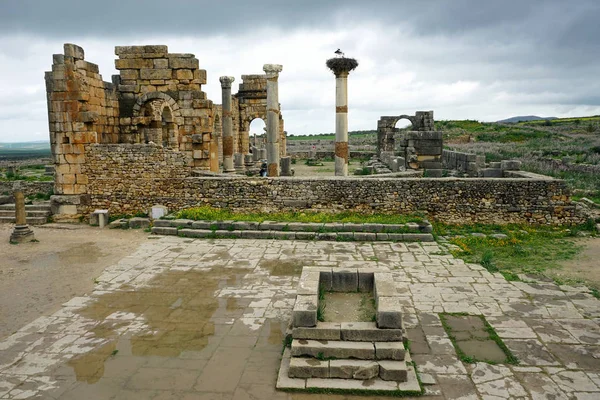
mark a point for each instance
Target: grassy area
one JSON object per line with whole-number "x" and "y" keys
{"x": 331, "y": 136}
{"x": 208, "y": 213}
{"x": 527, "y": 249}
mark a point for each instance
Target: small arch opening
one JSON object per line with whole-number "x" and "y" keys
{"x": 258, "y": 132}
{"x": 403, "y": 124}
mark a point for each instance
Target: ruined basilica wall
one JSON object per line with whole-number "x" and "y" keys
{"x": 450, "y": 200}
{"x": 152, "y": 79}
{"x": 82, "y": 109}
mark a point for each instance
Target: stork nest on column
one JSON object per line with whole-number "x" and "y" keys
{"x": 341, "y": 64}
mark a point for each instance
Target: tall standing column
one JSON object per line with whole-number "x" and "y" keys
{"x": 341, "y": 67}
{"x": 227, "y": 122}
{"x": 272, "y": 71}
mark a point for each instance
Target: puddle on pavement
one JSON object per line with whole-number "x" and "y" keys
{"x": 90, "y": 367}
{"x": 175, "y": 309}
{"x": 349, "y": 307}
{"x": 282, "y": 267}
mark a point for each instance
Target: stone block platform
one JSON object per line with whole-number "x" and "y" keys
{"x": 410, "y": 232}
{"x": 328, "y": 355}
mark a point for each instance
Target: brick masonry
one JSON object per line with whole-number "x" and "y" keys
{"x": 131, "y": 178}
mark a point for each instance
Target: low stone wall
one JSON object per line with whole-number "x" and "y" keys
{"x": 451, "y": 200}
{"x": 28, "y": 188}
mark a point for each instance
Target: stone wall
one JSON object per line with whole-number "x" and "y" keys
{"x": 462, "y": 162}
{"x": 29, "y": 188}
{"x": 452, "y": 200}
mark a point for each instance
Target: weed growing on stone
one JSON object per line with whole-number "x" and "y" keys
{"x": 595, "y": 292}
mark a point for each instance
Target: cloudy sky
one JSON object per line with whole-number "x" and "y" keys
{"x": 476, "y": 59}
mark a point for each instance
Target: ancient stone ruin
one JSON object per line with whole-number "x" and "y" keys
{"x": 156, "y": 100}
{"x": 418, "y": 148}
{"x": 359, "y": 355}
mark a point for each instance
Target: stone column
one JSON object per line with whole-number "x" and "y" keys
{"x": 227, "y": 123}
{"x": 272, "y": 71}
{"x": 341, "y": 67}
{"x": 21, "y": 233}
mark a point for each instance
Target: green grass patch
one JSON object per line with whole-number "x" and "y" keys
{"x": 526, "y": 249}
{"x": 207, "y": 213}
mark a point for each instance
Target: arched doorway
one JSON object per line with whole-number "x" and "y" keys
{"x": 258, "y": 132}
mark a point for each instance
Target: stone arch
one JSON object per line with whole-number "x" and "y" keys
{"x": 264, "y": 133}
{"x": 156, "y": 115}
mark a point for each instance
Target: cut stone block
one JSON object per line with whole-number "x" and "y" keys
{"x": 365, "y": 236}
{"x": 309, "y": 282}
{"x": 325, "y": 277}
{"x": 206, "y": 225}
{"x": 228, "y": 233}
{"x": 418, "y": 237}
{"x": 382, "y": 236}
{"x": 305, "y": 311}
{"x": 351, "y": 227}
{"x": 308, "y": 368}
{"x": 182, "y": 223}
{"x": 305, "y": 235}
{"x": 368, "y": 332}
{"x": 344, "y": 280}
{"x": 161, "y": 230}
{"x": 383, "y": 285}
{"x": 353, "y": 369}
{"x": 282, "y": 235}
{"x": 139, "y": 223}
{"x": 345, "y": 235}
{"x": 326, "y": 236}
{"x": 390, "y": 351}
{"x": 245, "y": 225}
{"x": 412, "y": 383}
{"x": 323, "y": 331}
{"x": 352, "y": 384}
{"x": 389, "y": 314}
{"x": 157, "y": 211}
{"x": 373, "y": 228}
{"x": 393, "y": 371}
{"x": 195, "y": 233}
{"x": 162, "y": 223}
{"x": 365, "y": 279}
{"x": 333, "y": 349}
{"x": 283, "y": 379}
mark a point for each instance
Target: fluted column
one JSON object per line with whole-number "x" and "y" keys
{"x": 272, "y": 71}
{"x": 227, "y": 123}
{"x": 341, "y": 67}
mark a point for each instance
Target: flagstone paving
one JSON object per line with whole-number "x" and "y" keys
{"x": 205, "y": 319}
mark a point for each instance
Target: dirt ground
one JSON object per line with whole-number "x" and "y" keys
{"x": 586, "y": 265}
{"x": 36, "y": 278}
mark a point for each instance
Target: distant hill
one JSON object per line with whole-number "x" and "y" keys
{"x": 37, "y": 145}
{"x": 524, "y": 118}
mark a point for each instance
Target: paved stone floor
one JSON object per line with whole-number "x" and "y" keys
{"x": 205, "y": 319}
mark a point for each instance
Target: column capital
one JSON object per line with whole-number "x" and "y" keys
{"x": 272, "y": 69}
{"x": 226, "y": 81}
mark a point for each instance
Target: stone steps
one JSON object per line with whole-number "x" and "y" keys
{"x": 423, "y": 227}
{"x": 338, "y": 349}
{"x": 348, "y": 331}
{"x": 291, "y": 235}
{"x": 348, "y": 369}
{"x": 36, "y": 214}
{"x": 396, "y": 377}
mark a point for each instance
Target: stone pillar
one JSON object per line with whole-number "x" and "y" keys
{"x": 227, "y": 123}
{"x": 238, "y": 159}
{"x": 272, "y": 71}
{"x": 248, "y": 160}
{"x": 21, "y": 233}
{"x": 286, "y": 166}
{"x": 341, "y": 67}
{"x": 262, "y": 153}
